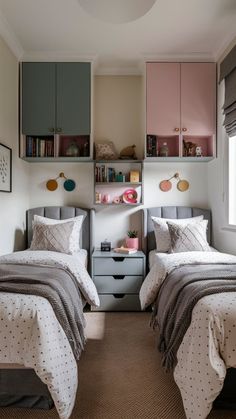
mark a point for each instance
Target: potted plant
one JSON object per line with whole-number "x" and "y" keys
{"x": 132, "y": 239}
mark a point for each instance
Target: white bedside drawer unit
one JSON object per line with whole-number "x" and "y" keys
{"x": 118, "y": 279}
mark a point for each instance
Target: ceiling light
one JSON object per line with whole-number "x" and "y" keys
{"x": 117, "y": 11}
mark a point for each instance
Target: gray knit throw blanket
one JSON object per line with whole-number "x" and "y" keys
{"x": 177, "y": 296}
{"x": 55, "y": 284}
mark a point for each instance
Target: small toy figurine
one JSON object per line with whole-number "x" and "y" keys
{"x": 128, "y": 153}
{"x": 189, "y": 148}
{"x": 198, "y": 151}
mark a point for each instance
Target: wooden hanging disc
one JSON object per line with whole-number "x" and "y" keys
{"x": 183, "y": 185}
{"x": 52, "y": 185}
{"x": 165, "y": 185}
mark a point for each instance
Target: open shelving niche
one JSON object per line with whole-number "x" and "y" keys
{"x": 55, "y": 148}
{"x": 176, "y": 148}
{"x": 112, "y": 180}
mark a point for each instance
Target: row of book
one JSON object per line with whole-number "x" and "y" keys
{"x": 151, "y": 146}
{"x": 108, "y": 174}
{"x": 39, "y": 147}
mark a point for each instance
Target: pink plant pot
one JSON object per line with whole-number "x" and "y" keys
{"x": 133, "y": 243}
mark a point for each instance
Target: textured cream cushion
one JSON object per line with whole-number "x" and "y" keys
{"x": 189, "y": 238}
{"x": 162, "y": 235}
{"x": 54, "y": 237}
{"x": 74, "y": 237}
{"x": 105, "y": 151}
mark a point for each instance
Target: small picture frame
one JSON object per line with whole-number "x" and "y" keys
{"x": 5, "y": 168}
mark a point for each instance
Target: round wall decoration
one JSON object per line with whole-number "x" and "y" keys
{"x": 69, "y": 185}
{"x": 183, "y": 185}
{"x": 165, "y": 185}
{"x": 52, "y": 185}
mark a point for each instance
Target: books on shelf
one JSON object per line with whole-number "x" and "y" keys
{"x": 105, "y": 174}
{"x": 125, "y": 250}
{"x": 39, "y": 147}
{"x": 151, "y": 146}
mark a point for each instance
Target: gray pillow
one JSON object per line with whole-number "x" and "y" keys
{"x": 189, "y": 238}
{"x": 54, "y": 237}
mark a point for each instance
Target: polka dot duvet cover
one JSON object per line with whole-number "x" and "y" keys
{"x": 32, "y": 336}
{"x": 209, "y": 345}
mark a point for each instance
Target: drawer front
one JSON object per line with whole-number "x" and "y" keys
{"x": 118, "y": 266}
{"x": 118, "y": 284}
{"x": 118, "y": 302}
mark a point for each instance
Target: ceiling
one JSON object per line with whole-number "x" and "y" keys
{"x": 172, "y": 29}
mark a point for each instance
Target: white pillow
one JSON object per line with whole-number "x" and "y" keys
{"x": 162, "y": 235}
{"x": 74, "y": 246}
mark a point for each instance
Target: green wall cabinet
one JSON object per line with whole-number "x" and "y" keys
{"x": 56, "y": 98}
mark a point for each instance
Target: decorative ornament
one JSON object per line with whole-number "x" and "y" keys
{"x": 116, "y": 200}
{"x": 69, "y": 184}
{"x": 166, "y": 185}
{"x": 128, "y": 153}
{"x": 130, "y": 196}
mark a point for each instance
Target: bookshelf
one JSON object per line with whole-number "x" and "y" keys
{"x": 118, "y": 182}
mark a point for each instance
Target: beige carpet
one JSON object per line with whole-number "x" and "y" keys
{"x": 120, "y": 375}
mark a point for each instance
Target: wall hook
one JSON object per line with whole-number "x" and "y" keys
{"x": 69, "y": 184}
{"x": 166, "y": 184}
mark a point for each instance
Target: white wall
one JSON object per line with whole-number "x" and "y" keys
{"x": 118, "y": 116}
{"x": 224, "y": 240}
{"x": 12, "y": 205}
{"x": 118, "y": 111}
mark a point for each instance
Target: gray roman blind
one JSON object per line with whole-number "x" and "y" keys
{"x": 228, "y": 73}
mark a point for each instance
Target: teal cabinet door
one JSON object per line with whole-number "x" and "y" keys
{"x": 38, "y": 98}
{"x": 73, "y": 98}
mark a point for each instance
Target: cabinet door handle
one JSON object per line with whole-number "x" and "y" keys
{"x": 184, "y": 129}
{"x": 51, "y": 129}
{"x": 118, "y": 295}
{"x": 176, "y": 129}
{"x": 59, "y": 130}
{"x": 118, "y": 276}
{"x": 118, "y": 259}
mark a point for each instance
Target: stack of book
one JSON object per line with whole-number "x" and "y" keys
{"x": 125, "y": 250}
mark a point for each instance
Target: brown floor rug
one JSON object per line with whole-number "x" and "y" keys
{"x": 120, "y": 375}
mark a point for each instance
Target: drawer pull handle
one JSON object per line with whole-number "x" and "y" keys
{"x": 118, "y": 276}
{"x": 118, "y": 295}
{"x": 118, "y": 259}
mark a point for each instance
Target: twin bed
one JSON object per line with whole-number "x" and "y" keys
{"x": 41, "y": 303}
{"x": 193, "y": 296}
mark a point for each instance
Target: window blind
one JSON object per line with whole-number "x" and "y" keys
{"x": 228, "y": 73}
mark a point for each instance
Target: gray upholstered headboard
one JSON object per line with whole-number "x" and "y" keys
{"x": 148, "y": 239}
{"x": 62, "y": 213}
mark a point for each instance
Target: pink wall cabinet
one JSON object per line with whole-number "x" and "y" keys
{"x": 163, "y": 98}
{"x": 180, "y": 110}
{"x": 198, "y": 98}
